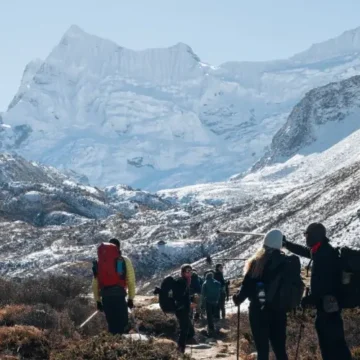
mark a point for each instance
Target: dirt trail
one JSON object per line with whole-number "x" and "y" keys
{"x": 208, "y": 348}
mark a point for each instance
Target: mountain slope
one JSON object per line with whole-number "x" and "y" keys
{"x": 159, "y": 118}
{"x": 43, "y": 196}
{"x": 324, "y": 117}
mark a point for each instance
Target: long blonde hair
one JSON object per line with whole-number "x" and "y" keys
{"x": 256, "y": 264}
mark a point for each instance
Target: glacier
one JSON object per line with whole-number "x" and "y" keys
{"x": 160, "y": 118}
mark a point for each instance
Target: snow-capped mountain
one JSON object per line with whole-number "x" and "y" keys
{"x": 316, "y": 187}
{"x": 160, "y": 118}
{"x": 324, "y": 117}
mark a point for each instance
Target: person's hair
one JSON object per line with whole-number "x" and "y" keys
{"x": 256, "y": 264}
{"x": 115, "y": 242}
{"x": 217, "y": 266}
{"x": 185, "y": 267}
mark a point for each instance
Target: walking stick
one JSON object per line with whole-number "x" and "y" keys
{"x": 88, "y": 319}
{"x": 238, "y": 334}
{"x": 301, "y": 327}
{"x": 220, "y": 232}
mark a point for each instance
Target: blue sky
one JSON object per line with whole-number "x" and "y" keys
{"x": 217, "y": 30}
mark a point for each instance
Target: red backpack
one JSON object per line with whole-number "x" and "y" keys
{"x": 107, "y": 275}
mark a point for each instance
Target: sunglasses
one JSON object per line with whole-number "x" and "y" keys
{"x": 188, "y": 271}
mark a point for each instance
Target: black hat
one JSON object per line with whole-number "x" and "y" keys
{"x": 315, "y": 232}
{"x": 217, "y": 266}
{"x": 115, "y": 242}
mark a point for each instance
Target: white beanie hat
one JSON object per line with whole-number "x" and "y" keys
{"x": 273, "y": 239}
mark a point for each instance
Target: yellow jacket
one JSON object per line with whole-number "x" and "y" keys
{"x": 130, "y": 281}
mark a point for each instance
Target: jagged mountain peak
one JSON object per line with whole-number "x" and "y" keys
{"x": 75, "y": 31}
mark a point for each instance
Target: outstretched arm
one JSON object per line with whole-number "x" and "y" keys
{"x": 297, "y": 249}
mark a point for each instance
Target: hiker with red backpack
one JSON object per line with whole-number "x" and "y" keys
{"x": 273, "y": 285}
{"x": 113, "y": 276}
{"x": 325, "y": 290}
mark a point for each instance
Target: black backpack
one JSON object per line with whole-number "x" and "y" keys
{"x": 285, "y": 292}
{"x": 350, "y": 284}
{"x": 166, "y": 292}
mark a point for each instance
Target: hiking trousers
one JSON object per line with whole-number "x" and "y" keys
{"x": 330, "y": 331}
{"x": 210, "y": 309}
{"x": 220, "y": 309}
{"x": 268, "y": 326}
{"x": 186, "y": 327}
{"x": 115, "y": 309}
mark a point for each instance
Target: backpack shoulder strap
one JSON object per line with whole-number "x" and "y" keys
{"x": 95, "y": 268}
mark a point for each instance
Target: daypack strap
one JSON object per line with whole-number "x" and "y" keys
{"x": 308, "y": 267}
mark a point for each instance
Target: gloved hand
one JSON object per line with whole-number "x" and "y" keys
{"x": 236, "y": 300}
{"x": 227, "y": 298}
{"x": 157, "y": 291}
{"x": 99, "y": 306}
{"x": 284, "y": 241}
{"x": 307, "y": 302}
{"x": 130, "y": 303}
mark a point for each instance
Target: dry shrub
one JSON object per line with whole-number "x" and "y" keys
{"x": 10, "y": 314}
{"x": 9, "y": 291}
{"x": 26, "y": 341}
{"x": 156, "y": 323}
{"x": 107, "y": 347}
{"x": 79, "y": 309}
{"x": 52, "y": 290}
{"x": 41, "y": 316}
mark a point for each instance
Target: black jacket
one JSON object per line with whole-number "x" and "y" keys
{"x": 196, "y": 284}
{"x": 181, "y": 294}
{"x": 271, "y": 270}
{"x": 218, "y": 276}
{"x": 325, "y": 273}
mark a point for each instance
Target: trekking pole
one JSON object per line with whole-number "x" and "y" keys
{"x": 88, "y": 319}
{"x": 134, "y": 320}
{"x": 301, "y": 327}
{"x": 238, "y": 335}
{"x": 238, "y": 233}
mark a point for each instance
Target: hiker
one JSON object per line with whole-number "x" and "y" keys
{"x": 267, "y": 324}
{"x": 210, "y": 296}
{"x": 224, "y": 296}
{"x": 110, "y": 283}
{"x": 195, "y": 292}
{"x": 325, "y": 290}
{"x": 183, "y": 305}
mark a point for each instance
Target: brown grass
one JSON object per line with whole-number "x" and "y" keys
{"x": 156, "y": 323}
{"x": 107, "y": 347}
{"x": 26, "y": 341}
